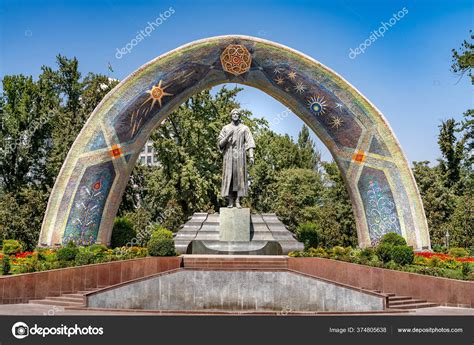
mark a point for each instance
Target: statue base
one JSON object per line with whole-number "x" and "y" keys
{"x": 237, "y": 232}
{"x": 234, "y": 224}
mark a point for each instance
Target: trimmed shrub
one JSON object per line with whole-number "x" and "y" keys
{"x": 367, "y": 254}
{"x": 384, "y": 252}
{"x": 6, "y": 265}
{"x": 392, "y": 265}
{"x": 85, "y": 256}
{"x": 123, "y": 232}
{"x": 67, "y": 253}
{"x": 437, "y": 248}
{"x": 393, "y": 239}
{"x": 435, "y": 262}
{"x": 308, "y": 233}
{"x": 338, "y": 251}
{"x": 12, "y": 247}
{"x": 466, "y": 269}
{"x": 458, "y": 252}
{"x": 402, "y": 255}
{"x": 317, "y": 252}
{"x": 161, "y": 243}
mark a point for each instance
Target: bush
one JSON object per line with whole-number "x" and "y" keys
{"x": 437, "y": 248}
{"x": 466, "y": 269}
{"x": 393, "y": 239}
{"x": 122, "y": 233}
{"x": 451, "y": 264}
{"x": 12, "y": 247}
{"x": 338, "y": 251}
{"x": 458, "y": 252}
{"x": 384, "y": 252}
{"x": 402, "y": 255}
{"x": 317, "y": 252}
{"x": 85, "y": 256}
{"x": 392, "y": 265}
{"x": 6, "y": 265}
{"x": 67, "y": 253}
{"x": 308, "y": 233}
{"x": 420, "y": 260}
{"x": 161, "y": 243}
{"x": 435, "y": 262}
{"x": 367, "y": 254}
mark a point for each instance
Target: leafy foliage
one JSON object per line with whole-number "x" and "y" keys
{"x": 393, "y": 239}
{"x": 161, "y": 243}
{"x": 11, "y": 247}
{"x": 122, "y": 232}
{"x": 402, "y": 255}
{"x": 39, "y": 121}
{"x": 68, "y": 252}
{"x": 6, "y": 265}
{"x": 309, "y": 234}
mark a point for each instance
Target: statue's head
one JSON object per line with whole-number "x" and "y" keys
{"x": 235, "y": 114}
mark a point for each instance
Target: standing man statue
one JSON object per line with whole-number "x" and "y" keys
{"x": 234, "y": 141}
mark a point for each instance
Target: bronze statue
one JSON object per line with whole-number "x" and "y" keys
{"x": 234, "y": 141}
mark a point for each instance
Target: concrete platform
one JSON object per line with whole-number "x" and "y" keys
{"x": 268, "y": 236}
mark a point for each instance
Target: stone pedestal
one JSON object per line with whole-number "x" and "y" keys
{"x": 234, "y": 224}
{"x": 235, "y": 232}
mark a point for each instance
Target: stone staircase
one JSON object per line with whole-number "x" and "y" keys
{"x": 235, "y": 261}
{"x": 66, "y": 300}
{"x": 405, "y": 302}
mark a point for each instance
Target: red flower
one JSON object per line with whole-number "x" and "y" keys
{"x": 443, "y": 257}
{"x": 23, "y": 255}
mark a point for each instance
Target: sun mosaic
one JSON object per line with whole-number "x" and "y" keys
{"x": 336, "y": 122}
{"x": 317, "y": 104}
{"x": 157, "y": 92}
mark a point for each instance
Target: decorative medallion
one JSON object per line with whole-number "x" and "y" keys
{"x": 115, "y": 151}
{"x": 359, "y": 156}
{"x": 236, "y": 59}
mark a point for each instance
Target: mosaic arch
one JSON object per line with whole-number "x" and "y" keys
{"x": 88, "y": 190}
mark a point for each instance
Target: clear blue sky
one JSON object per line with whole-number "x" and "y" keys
{"x": 405, "y": 73}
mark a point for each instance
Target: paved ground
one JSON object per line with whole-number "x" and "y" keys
{"x": 39, "y": 309}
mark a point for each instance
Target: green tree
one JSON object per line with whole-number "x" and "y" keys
{"x": 274, "y": 154}
{"x": 39, "y": 121}
{"x": 452, "y": 151}
{"x": 336, "y": 215}
{"x": 21, "y": 215}
{"x": 438, "y": 199}
{"x": 308, "y": 156}
{"x": 463, "y": 60}
{"x": 297, "y": 194}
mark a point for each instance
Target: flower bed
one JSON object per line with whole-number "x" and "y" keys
{"x": 43, "y": 259}
{"x": 443, "y": 257}
{"x": 461, "y": 268}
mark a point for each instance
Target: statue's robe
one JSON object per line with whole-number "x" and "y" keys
{"x": 234, "y": 171}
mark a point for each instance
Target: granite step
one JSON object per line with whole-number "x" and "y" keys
{"x": 64, "y": 298}
{"x": 415, "y": 306}
{"x": 49, "y": 301}
{"x": 73, "y": 295}
{"x": 405, "y": 302}
{"x": 395, "y": 298}
{"x": 235, "y": 262}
